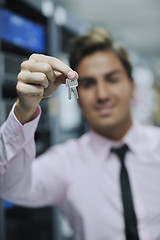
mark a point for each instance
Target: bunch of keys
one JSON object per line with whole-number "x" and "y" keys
{"x": 72, "y": 84}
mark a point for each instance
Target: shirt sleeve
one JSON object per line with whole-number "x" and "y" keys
{"x": 26, "y": 180}
{"x": 14, "y": 136}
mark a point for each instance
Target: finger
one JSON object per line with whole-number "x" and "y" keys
{"x": 33, "y": 78}
{"x": 28, "y": 89}
{"x": 55, "y": 63}
{"x": 43, "y": 67}
{"x": 59, "y": 79}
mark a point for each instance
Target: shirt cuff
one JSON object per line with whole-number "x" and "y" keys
{"x": 15, "y": 132}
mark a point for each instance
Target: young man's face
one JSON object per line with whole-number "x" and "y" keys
{"x": 105, "y": 92}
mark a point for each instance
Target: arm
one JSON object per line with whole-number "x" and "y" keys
{"x": 39, "y": 77}
{"x": 25, "y": 180}
{"x": 15, "y": 140}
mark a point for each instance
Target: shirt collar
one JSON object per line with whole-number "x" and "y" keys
{"x": 133, "y": 138}
{"x": 103, "y": 145}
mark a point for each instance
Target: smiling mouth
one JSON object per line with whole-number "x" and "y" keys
{"x": 105, "y": 110}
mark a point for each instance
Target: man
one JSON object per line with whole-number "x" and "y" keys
{"x": 85, "y": 177}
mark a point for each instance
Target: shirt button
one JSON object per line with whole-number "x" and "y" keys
{"x": 16, "y": 138}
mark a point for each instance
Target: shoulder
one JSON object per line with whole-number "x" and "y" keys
{"x": 150, "y": 130}
{"x": 71, "y": 146}
{"x": 149, "y": 135}
{"x": 76, "y": 143}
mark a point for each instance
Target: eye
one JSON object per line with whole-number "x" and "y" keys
{"x": 112, "y": 79}
{"x": 88, "y": 83}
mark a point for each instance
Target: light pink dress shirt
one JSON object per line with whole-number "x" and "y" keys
{"x": 81, "y": 177}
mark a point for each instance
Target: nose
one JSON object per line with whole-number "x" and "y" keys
{"x": 102, "y": 91}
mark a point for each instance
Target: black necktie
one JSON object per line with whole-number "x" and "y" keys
{"x": 129, "y": 213}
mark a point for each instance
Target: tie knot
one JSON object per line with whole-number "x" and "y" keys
{"x": 121, "y": 151}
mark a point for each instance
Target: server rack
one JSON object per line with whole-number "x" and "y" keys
{"x": 19, "y": 222}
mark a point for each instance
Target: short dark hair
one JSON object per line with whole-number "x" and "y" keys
{"x": 97, "y": 39}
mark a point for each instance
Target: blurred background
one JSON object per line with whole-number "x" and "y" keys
{"x": 48, "y": 26}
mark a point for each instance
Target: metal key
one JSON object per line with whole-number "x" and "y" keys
{"x": 72, "y": 84}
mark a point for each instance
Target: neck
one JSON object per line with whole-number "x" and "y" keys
{"x": 116, "y": 132}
